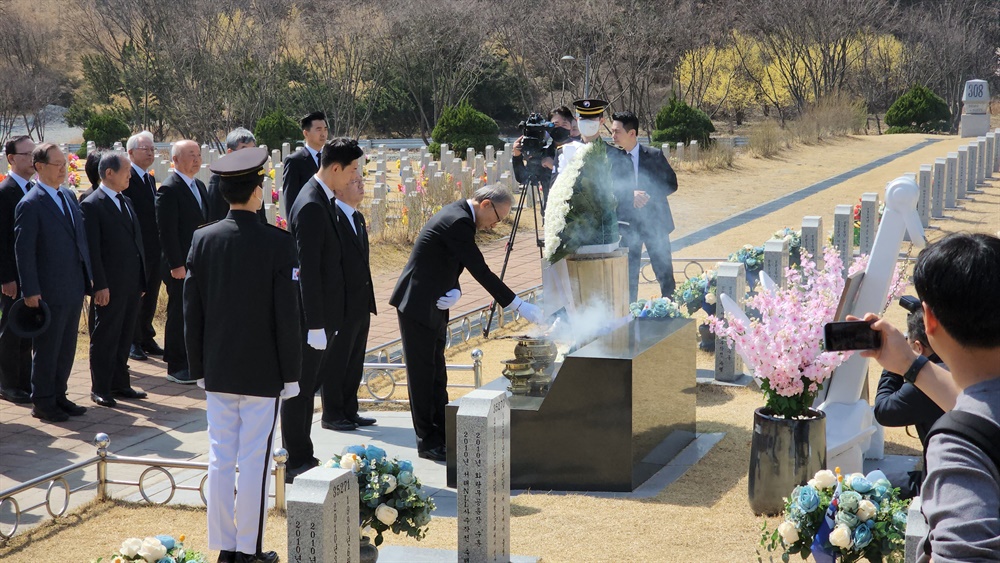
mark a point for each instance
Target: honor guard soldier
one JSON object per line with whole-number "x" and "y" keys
{"x": 241, "y": 321}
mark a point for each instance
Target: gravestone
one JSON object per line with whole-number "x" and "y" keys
{"x": 405, "y": 173}
{"x": 482, "y": 434}
{"x": 380, "y": 164}
{"x": 409, "y": 186}
{"x": 271, "y": 212}
{"x": 275, "y": 157}
{"x": 480, "y": 167}
{"x": 776, "y": 260}
{"x": 694, "y": 151}
{"x": 961, "y": 182}
{"x": 377, "y": 217}
{"x": 975, "y": 120}
{"x": 981, "y": 169}
{"x": 3, "y": 163}
{"x": 950, "y": 180}
{"x": 213, "y": 155}
{"x": 916, "y": 529}
{"x": 279, "y": 177}
{"x": 491, "y": 154}
{"x": 812, "y": 238}
{"x": 444, "y": 150}
{"x": 843, "y": 234}
{"x": 937, "y": 188}
{"x": 323, "y": 508}
{"x": 680, "y": 152}
{"x": 470, "y": 155}
{"x": 924, "y": 201}
{"x": 204, "y": 154}
{"x": 665, "y": 149}
{"x": 869, "y": 222}
{"x": 425, "y": 159}
{"x": 973, "y": 166}
{"x": 380, "y": 191}
{"x": 286, "y": 149}
{"x": 380, "y": 177}
{"x": 991, "y": 139}
{"x": 491, "y": 173}
{"x": 404, "y": 158}
{"x": 730, "y": 279}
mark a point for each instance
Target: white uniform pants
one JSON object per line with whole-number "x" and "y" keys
{"x": 240, "y": 430}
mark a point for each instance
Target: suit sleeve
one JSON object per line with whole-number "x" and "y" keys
{"x": 460, "y": 239}
{"x": 286, "y": 312}
{"x": 194, "y": 315}
{"x": 669, "y": 177}
{"x": 167, "y": 216}
{"x": 900, "y": 404}
{"x": 8, "y": 265}
{"x": 309, "y": 240}
{"x": 26, "y": 227}
{"x": 291, "y": 181}
{"x": 92, "y": 224}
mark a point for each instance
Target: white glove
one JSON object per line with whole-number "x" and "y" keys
{"x": 449, "y": 300}
{"x": 291, "y": 389}
{"x": 531, "y": 312}
{"x": 316, "y": 338}
{"x": 201, "y": 383}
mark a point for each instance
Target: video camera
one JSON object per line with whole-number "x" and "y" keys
{"x": 534, "y": 142}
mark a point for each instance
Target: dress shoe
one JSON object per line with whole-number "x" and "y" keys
{"x": 15, "y": 396}
{"x": 70, "y": 407}
{"x": 362, "y": 421}
{"x": 343, "y": 425}
{"x": 152, "y": 348}
{"x": 434, "y": 454}
{"x": 264, "y": 557}
{"x": 226, "y": 556}
{"x": 183, "y": 377}
{"x": 129, "y": 393}
{"x": 136, "y": 353}
{"x": 52, "y": 414}
{"x": 103, "y": 400}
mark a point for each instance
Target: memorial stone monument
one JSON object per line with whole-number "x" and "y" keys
{"x": 975, "y": 120}
{"x": 323, "y": 510}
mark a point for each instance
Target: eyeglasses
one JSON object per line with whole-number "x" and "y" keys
{"x": 495, "y": 212}
{"x": 150, "y": 149}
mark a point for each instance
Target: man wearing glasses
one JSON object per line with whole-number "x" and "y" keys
{"x": 54, "y": 266}
{"x": 15, "y": 352}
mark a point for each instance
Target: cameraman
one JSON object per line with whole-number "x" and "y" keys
{"x": 562, "y": 121}
{"x": 900, "y": 403}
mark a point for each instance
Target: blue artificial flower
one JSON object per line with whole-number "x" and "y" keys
{"x": 356, "y": 450}
{"x": 808, "y": 498}
{"x": 167, "y": 541}
{"x": 375, "y": 453}
{"x": 849, "y": 501}
{"x": 899, "y": 519}
{"x": 405, "y": 478}
{"x": 405, "y": 465}
{"x": 860, "y": 484}
{"x": 862, "y": 536}
{"x": 166, "y": 559}
{"x": 848, "y": 518}
{"x": 879, "y": 493}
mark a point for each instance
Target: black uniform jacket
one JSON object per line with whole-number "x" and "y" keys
{"x": 116, "y": 250}
{"x": 313, "y": 222}
{"x": 241, "y": 308}
{"x": 445, "y": 247}
{"x": 656, "y": 178}
{"x": 298, "y": 168}
{"x": 177, "y": 216}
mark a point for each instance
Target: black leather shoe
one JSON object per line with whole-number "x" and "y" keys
{"x": 342, "y": 425}
{"x": 70, "y": 407}
{"x": 183, "y": 377}
{"x": 226, "y": 556}
{"x": 54, "y": 414}
{"x": 129, "y": 393}
{"x": 152, "y": 348}
{"x": 435, "y": 454}
{"x": 362, "y": 421}
{"x": 136, "y": 353}
{"x": 264, "y": 557}
{"x": 15, "y": 396}
{"x": 103, "y": 400}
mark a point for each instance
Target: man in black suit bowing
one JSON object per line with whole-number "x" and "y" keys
{"x": 322, "y": 283}
{"x": 428, "y": 288}
{"x": 642, "y": 204}
{"x": 118, "y": 258}
{"x": 300, "y": 166}
{"x": 340, "y": 387}
{"x": 54, "y": 265}
{"x": 141, "y": 191}
{"x": 180, "y": 209}
{"x": 15, "y": 352}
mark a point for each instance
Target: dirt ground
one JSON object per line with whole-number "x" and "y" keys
{"x": 704, "y": 516}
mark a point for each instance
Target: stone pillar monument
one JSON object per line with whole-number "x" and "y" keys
{"x": 975, "y": 120}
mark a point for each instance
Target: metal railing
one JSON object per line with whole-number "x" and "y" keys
{"x": 102, "y": 460}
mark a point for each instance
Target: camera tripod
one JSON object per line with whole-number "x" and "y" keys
{"x": 533, "y": 185}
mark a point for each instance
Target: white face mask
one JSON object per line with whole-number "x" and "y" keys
{"x": 588, "y": 127}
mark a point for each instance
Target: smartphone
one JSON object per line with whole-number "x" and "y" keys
{"x": 850, "y": 335}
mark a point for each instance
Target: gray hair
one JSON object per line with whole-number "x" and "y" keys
{"x": 496, "y": 193}
{"x": 133, "y": 141}
{"x": 110, "y": 160}
{"x": 239, "y": 136}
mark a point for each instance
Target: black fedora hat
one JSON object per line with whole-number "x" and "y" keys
{"x": 28, "y": 322}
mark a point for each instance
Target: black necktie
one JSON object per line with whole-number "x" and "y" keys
{"x": 149, "y": 182}
{"x": 27, "y": 187}
{"x": 359, "y": 223}
{"x": 67, "y": 210}
{"x": 123, "y": 208}
{"x": 317, "y": 161}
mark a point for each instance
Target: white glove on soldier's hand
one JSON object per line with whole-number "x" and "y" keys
{"x": 449, "y": 300}
{"x": 291, "y": 389}
{"x": 316, "y": 338}
{"x": 201, "y": 383}
{"x": 531, "y": 312}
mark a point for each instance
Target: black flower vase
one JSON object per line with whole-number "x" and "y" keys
{"x": 707, "y": 342}
{"x": 369, "y": 553}
{"x": 784, "y": 453}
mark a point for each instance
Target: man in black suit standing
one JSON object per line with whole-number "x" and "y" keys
{"x": 428, "y": 287}
{"x": 322, "y": 282}
{"x": 141, "y": 192}
{"x": 54, "y": 265}
{"x": 15, "y": 352}
{"x": 181, "y": 207}
{"x": 642, "y": 204}
{"x": 218, "y": 207}
{"x": 340, "y": 387}
{"x": 302, "y": 164}
{"x": 118, "y": 259}
{"x": 241, "y": 323}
